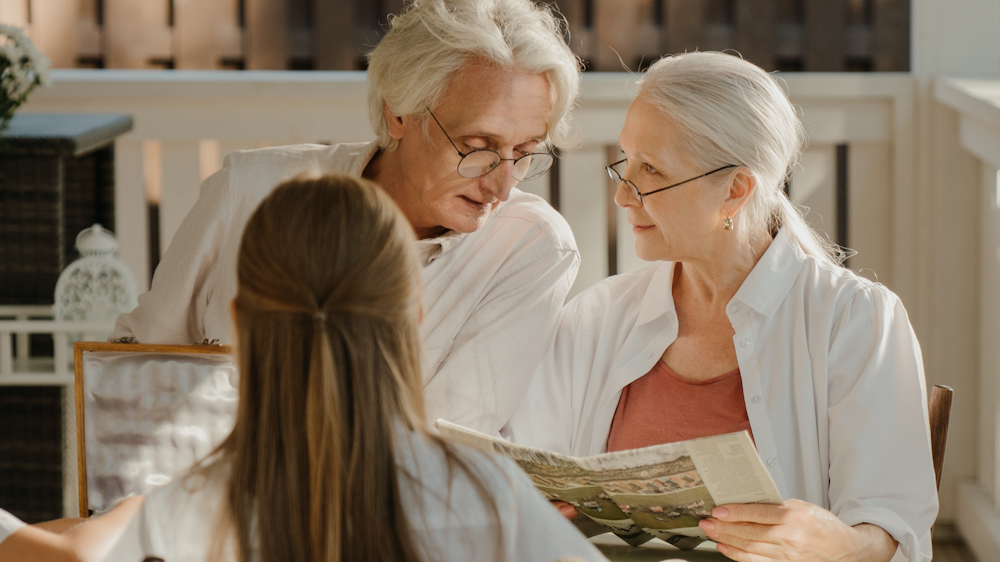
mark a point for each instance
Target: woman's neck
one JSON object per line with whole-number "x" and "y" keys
{"x": 715, "y": 278}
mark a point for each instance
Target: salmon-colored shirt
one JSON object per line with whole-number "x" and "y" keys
{"x": 664, "y": 407}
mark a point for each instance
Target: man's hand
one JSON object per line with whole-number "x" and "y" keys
{"x": 797, "y": 531}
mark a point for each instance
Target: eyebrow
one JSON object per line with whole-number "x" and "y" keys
{"x": 494, "y": 138}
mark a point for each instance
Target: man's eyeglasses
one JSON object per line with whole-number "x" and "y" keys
{"x": 616, "y": 177}
{"x": 482, "y": 161}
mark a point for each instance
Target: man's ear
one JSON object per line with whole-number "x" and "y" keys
{"x": 741, "y": 188}
{"x": 394, "y": 123}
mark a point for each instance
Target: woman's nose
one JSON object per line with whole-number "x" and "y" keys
{"x": 623, "y": 198}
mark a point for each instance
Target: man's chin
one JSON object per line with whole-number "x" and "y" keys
{"x": 468, "y": 224}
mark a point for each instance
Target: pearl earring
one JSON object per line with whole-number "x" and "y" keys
{"x": 727, "y": 222}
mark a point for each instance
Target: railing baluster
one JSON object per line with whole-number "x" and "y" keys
{"x": 6, "y": 365}
{"x": 181, "y": 184}
{"x": 61, "y": 353}
{"x": 23, "y": 342}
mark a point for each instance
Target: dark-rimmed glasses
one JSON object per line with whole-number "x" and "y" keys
{"x": 482, "y": 161}
{"x": 638, "y": 195}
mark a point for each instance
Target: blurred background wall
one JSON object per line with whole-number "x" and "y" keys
{"x": 786, "y": 35}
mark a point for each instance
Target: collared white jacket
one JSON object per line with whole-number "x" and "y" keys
{"x": 832, "y": 377}
{"x": 490, "y": 298}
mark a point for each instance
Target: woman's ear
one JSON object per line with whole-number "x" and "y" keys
{"x": 741, "y": 188}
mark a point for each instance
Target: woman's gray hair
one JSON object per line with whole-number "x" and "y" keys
{"x": 409, "y": 69}
{"x": 730, "y": 111}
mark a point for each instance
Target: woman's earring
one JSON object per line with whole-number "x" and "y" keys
{"x": 727, "y": 222}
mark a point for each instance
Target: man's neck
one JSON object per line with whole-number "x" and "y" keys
{"x": 384, "y": 170}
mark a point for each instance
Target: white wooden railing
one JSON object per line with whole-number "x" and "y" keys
{"x": 187, "y": 121}
{"x": 977, "y": 102}
{"x": 19, "y": 368}
{"x": 857, "y": 174}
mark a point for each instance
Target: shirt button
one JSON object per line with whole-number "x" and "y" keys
{"x": 772, "y": 461}
{"x": 755, "y": 399}
{"x": 744, "y": 342}
{"x": 734, "y": 309}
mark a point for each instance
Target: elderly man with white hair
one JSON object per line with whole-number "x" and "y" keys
{"x": 466, "y": 98}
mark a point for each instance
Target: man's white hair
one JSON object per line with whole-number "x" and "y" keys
{"x": 729, "y": 111}
{"x": 410, "y": 68}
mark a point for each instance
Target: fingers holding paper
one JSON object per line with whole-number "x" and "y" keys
{"x": 796, "y": 531}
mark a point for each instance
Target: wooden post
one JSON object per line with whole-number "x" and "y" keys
{"x": 755, "y": 31}
{"x": 89, "y": 34}
{"x": 205, "y": 32}
{"x": 181, "y": 185}
{"x": 685, "y": 26}
{"x": 333, "y": 43}
{"x": 14, "y": 12}
{"x": 824, "y": 35}
{"x": 579, "y": 18}
{"x": 892, "y": 35}
{"x": 136, "y": 33}
{"x": 265, "y": 39}
{"x": 131, "y": 225}
{"x": 54, "y": 30}
{"x": 624, "y": 32}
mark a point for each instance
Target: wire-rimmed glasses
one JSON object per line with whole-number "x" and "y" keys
{"x": 482, "y": 161}
{"x": 617, "y": 177}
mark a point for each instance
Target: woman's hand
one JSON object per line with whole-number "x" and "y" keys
{"x": 567, "y": 509}
{"x": 797, "y": 531}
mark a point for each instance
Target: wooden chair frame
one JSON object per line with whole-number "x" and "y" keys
{"x": 79, "y": 348}
{"x": 939, "y": 412}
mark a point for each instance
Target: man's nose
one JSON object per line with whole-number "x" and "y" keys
{"x": 499, "y": 181}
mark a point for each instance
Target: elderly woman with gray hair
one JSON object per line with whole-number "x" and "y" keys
{"x": 746, "y": 321}
{"x": 466, "y": 98}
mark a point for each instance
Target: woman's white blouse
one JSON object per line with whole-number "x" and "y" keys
{"x": 8, "y": 524}
{"x": 490, "y": 298}
{"x": 832, "y": 377}
{"x": 178, "y": 522}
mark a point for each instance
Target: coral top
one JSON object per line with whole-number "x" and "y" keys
{"x": 664, "y": 407}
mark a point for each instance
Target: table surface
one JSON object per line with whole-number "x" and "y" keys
{"x": 654, "y": 551}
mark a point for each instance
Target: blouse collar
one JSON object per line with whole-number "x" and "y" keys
{"x": 771, "y": 279}
{"x": 763, "y": 290}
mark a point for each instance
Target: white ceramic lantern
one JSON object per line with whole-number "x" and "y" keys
{"x": 98, "y": 286}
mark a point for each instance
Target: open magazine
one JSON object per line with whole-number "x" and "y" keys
{"x": 660, "y": 491}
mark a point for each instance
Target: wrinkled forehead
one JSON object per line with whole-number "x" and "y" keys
{"x": 650, "y": 133}
{"x": 485, "y": 100}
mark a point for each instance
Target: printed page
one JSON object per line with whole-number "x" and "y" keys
{"x": 465, "y": 436}
{"x": 732, "y": 469}
{"x": 659, "y": 488}
{"x": 558, "y": 477}
{"x": 661, "y": 491}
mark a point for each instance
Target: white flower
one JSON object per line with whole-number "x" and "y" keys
{"x": 27, "y": 66}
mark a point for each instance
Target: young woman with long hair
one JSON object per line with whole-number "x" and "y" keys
{"x": 330, "y": 457}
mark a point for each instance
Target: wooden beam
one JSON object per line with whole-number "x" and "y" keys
{"x": 205, "y": 33}
{"x": 136, "y": 33}
{"x": 265, "y": 38}
{"x": 825, "y": 32}
{"x": 892, "y": 35}
{"x": 755, "y": 30}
